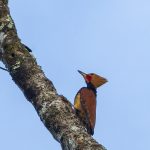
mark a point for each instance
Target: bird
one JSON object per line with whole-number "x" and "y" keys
{"x": 85, "y": 100}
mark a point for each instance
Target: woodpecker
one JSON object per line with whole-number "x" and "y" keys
{"x": 85, "y": 100}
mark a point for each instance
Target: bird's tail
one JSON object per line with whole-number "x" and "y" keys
{"x": 90, "y": 130}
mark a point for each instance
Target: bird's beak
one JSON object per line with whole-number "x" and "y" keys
{"x": 82, "y": 73}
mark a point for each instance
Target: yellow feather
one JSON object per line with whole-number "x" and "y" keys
{"x": 77, "y": 103}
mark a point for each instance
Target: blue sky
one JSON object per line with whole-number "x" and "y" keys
{"x": 110, "y": 38}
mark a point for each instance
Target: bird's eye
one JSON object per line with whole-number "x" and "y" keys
{"x": 92, "y": 73}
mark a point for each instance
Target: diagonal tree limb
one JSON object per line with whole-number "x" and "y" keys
{"x": 55, "y": 111}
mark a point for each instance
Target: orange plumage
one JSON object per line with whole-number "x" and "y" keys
{"x": 85, "y": 100}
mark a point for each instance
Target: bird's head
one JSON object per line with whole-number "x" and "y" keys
{"x": 93, "y": 79}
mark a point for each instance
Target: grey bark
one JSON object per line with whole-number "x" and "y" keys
{"x": 55, "y": 111}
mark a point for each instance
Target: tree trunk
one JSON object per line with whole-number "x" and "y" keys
{"x": 54, "y": 110}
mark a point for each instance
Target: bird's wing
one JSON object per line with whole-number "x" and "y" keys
{"x": 88, "y": 103}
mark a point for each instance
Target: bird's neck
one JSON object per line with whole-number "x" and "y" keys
{"x": 91, "y": 87}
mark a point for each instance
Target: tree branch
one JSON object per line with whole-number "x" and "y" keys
{"x": 55, "y": 111}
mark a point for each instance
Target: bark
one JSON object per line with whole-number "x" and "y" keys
{"x": 54, "y": 110}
